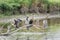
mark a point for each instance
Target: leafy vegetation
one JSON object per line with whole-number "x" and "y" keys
{"x": 12, "y": 7}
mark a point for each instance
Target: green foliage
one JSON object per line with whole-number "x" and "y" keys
{"x": 15, "y": 2}
{"x": 12, "y": 5}
{"x": 54, "y": 1}
{"x": 4, "y": 7}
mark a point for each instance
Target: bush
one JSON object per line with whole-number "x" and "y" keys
{"x": 14, "y": 5}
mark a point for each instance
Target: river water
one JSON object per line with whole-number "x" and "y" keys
{"x": 23, "y": 36}
{"x": 32, "y": 36}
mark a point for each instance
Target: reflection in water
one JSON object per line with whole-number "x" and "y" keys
{"x": 49, "y": 36}
{"x": 17, "y": 38}
{"x": 27, "y": 38}
{"x": 22, "y": 37}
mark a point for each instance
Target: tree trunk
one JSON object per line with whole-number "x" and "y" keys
{"x": 48, "y": 8}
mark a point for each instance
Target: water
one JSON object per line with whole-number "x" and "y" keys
{"x": 23, "y": 36}
{"x": 35, "y": 36}
{"x": 32, "y": 36}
